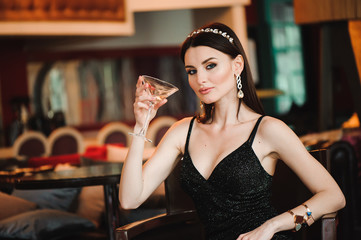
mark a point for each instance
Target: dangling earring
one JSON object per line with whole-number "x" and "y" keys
{"x": 202, "y": 111}
{"x": 240, "y": 93}
{"x": 202, "y": 107}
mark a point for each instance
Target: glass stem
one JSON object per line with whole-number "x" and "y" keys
{"x": 143, "y": 131}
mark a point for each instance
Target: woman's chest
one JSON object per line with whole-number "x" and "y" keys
{"x": 237, "y": 173}
{"x": 207, "y": 149}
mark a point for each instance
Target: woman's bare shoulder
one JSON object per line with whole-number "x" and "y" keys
{"x": 278, "y": 133}
{"x": 272, "y": 127}
{"x": 273, "y": 124}
{"x": 178, "y": 131}
{"x": 181, "y": 126}
{"x": 184, "y": 122}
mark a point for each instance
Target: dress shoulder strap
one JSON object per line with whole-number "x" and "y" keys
{"x": 254, "y": 131}
{"x": 189, "y": 134}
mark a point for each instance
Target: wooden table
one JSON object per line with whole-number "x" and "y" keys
{"x": 107, "y": 175}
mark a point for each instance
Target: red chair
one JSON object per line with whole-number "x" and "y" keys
{"x": 65, "y": 140}
{"x": 158, "y": 127}
{"x": 30, "y": 144}
{"x": 114, "y": 132}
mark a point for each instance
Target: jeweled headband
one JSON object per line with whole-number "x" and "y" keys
{"x": 215, "y": 31}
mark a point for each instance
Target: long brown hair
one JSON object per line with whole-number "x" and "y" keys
{"x": 234, "y": 49}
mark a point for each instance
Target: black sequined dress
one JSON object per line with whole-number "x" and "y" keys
{"x": 236, "y": 196}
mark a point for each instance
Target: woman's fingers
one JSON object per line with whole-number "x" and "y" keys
{"x": 140, "y": 81}
{"x": 161, "y": 103}
{"x": 144, "y": 100}
{"x": 141, "y": 105}
{"x": 141, "y": 93}
{"x": 140, "y": 87}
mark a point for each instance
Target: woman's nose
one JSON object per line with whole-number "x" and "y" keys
{"x": 201, "y": 78}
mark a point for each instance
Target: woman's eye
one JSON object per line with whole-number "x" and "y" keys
{"x": 191, "y": 72}
{"x": 210, "y": 66}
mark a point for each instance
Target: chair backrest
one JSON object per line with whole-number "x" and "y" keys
{"x": 288, "y": 191}
{"x": 345, "y": 171}
{"x": 114, "y": 132}
{"x": 181, "y": 205}
{"x": 30, "y": 144}
{"x": 176, "y": 199}
{"x": 158, "y": 127}
{"x": 65, "y": 140}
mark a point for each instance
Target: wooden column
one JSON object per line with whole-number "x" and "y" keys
{"x": 312, "y": 11}
{"x": 354, "y": 28}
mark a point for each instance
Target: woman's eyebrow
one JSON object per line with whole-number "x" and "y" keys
{"x": 208, "y": 59}
{"x": 204, "y": 62}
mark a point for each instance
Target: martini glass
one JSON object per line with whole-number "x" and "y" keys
{"x": 160, "y": 90}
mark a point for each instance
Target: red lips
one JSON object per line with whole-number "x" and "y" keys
{"x": 204, "y": 90}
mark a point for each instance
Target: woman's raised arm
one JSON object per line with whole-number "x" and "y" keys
{"x": 138, "y": 181}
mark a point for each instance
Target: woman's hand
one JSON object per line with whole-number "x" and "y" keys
{"x": 143, "y": 100}
{"x": 263, "y": 232}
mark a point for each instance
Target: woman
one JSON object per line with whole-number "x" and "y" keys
{"x": 230, "y": 152}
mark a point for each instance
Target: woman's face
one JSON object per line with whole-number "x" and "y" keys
{"x": 210, "y": 73}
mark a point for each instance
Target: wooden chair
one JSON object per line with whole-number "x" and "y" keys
{"x": 114, "y": 132}
{"x": 181, "y": 220}
{"x": 65, "y": 140}
{"x": 30, "y": 144}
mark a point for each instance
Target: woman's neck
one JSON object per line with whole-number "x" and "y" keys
{"x": 227, "y": 113}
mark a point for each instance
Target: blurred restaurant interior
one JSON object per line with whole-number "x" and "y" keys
{"x": 70, "y": 67}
